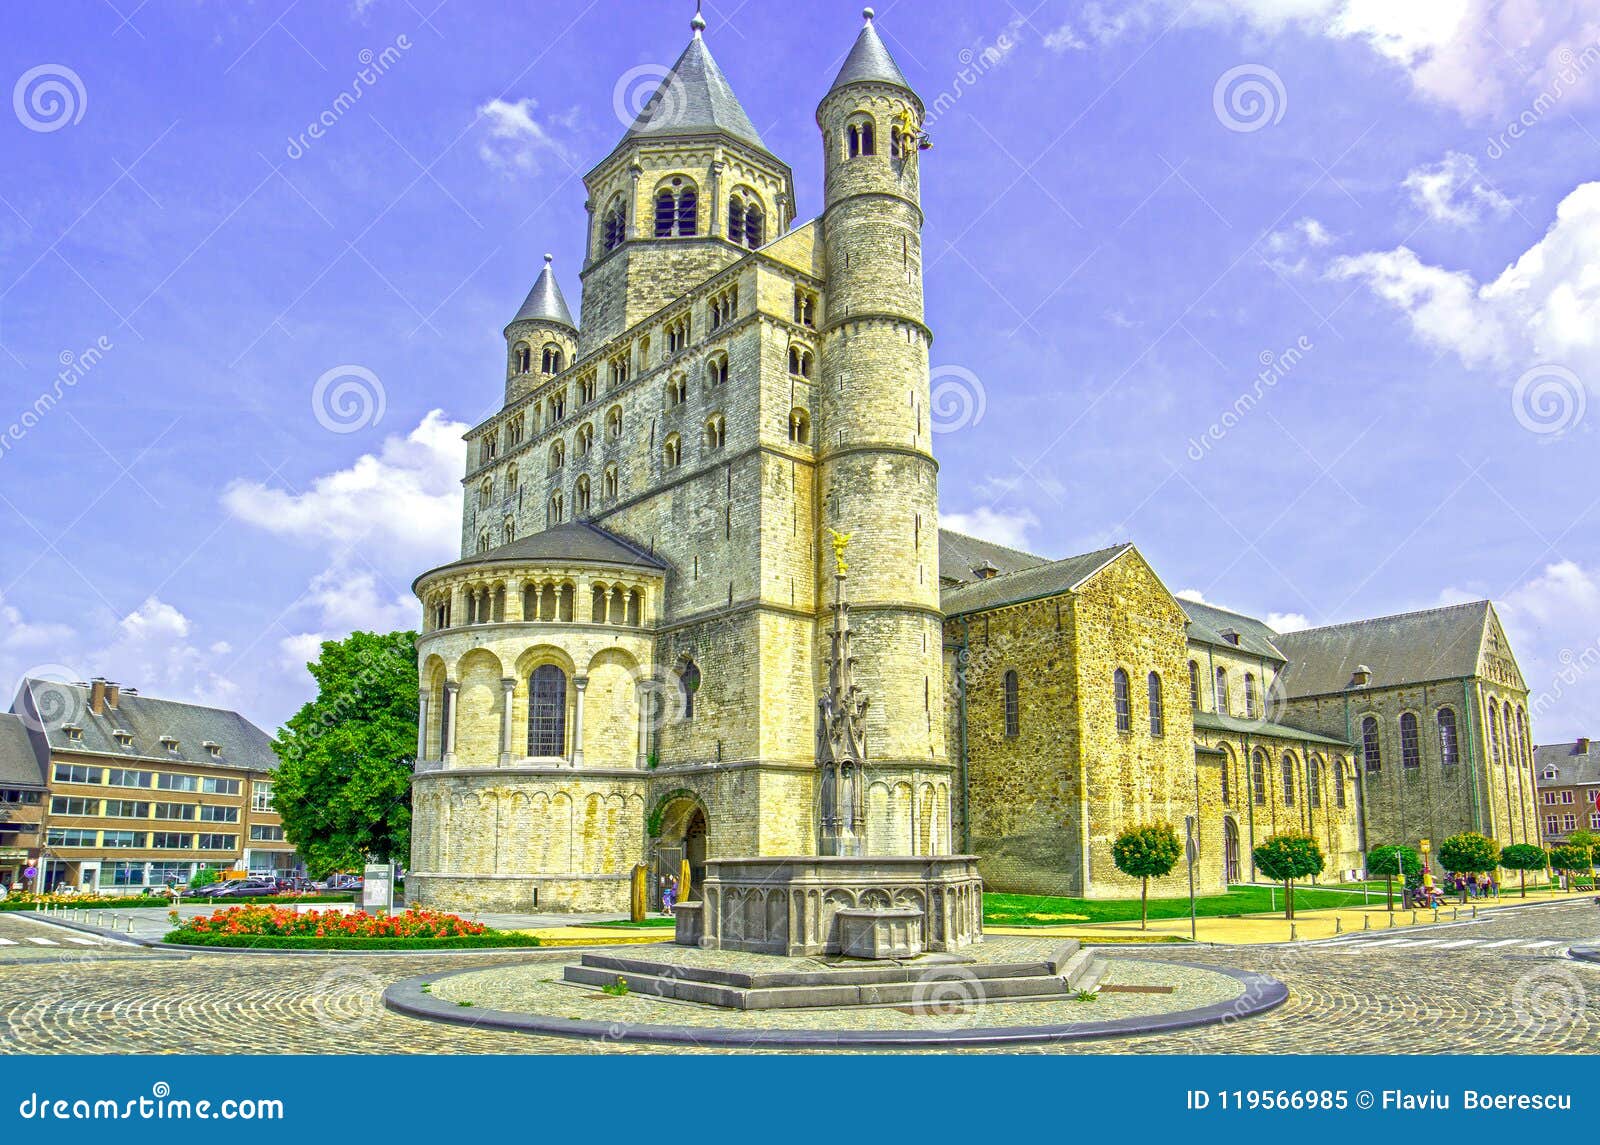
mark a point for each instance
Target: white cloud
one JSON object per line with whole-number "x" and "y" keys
{"x": 1065, "y": 39}
{"x": 1289, "y": 246}
{"x": 1454, "y": 191}
{"x": 1543, "y": 308}
{"x": 1001, "y": 527}
{"x": 517, "y": 141}
{"x": 18, "y": 635}
{"x": 1287, "y": 621}
{"x": 1191, "y": 594}
{"x": 385, "y": 517}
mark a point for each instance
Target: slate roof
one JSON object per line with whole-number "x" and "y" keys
{"x": 1412, "y": 648}
{"x": 694, "y": 98}
{"x": 544, "y": 302}
{"x": 1207, "y": 623}
{"x": 55, "y": 706}
{"x": 960, "y": 554}
{"x": 572, "y": 542}
{"x": 1235, "y": 725}
{"x": 19, "y": 763}
{"x": 1575, "y": 767}
{"x": 869, "y": 61}
{"x": 1032, "y": 583}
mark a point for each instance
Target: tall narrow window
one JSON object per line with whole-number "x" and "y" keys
{"x": 1371, "y": 747}
{"x": 1249, "y": 696}
{"x": 754, "y": 227}
{"x": 688, "y": 213}
{"x": 1124, "y": 701}
{"x": 1314, "y": 784}
{"x": 1158, "y": 723}
{"x": 1227, "y": 786}
{"x": 1494, "y": 735}
{"x": 1013, "y": 712}
{"x": 1338, "y": 784}
{"x": 689, "y": 686}
{"x": 1410, "y": 742}
{"x": 614, "y": 224}
{"x": 666, "y": 213}
{"x": 547, "y": 711}
{"x": 1258, "y": 779}
{"x": 1219, "y": 698}
{"x": 736, "y": 219}
{"x": 1288, "y": 780}
{"x": 1194, "y": 685}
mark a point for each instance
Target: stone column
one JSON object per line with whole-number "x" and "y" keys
{"x": 643, "y": 695}
{"x": 513, "y": 600}
{"x": 422, "y": 727}
{"x": 508, "y": 685}
{"x": 580, "y": 684}
{"x": 448, "y": 733}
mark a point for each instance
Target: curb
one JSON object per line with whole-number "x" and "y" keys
{"x": 1261, "y": 994}
{"x": 1585, "y": 953}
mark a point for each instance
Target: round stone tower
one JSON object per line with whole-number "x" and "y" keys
{"x": 876, "y": 477}
{"x": 542, "y": 339}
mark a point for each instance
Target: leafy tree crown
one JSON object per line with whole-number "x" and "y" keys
{"x": 1147, "y": 851}
{"x": 1469, "y": 853}
{"x": 1288, "y": 856}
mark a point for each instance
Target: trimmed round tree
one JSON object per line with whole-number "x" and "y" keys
{"x": 1522, "y": 858}
{"x": 1469, "y": 853}
{"x": 1146, "y": 852}
{"x": 1571, "y": 861}
{"x": 1288, "y": 857}
{"x": 1393, "y": 862}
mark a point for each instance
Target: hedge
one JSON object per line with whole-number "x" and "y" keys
{"x": 311, "y": 942}
{"x": 163, "y": 900}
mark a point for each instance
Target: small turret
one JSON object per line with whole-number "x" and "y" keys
{"x": 542, "y": 339}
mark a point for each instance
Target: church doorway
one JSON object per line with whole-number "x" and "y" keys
{"x": 1230, "y": 851}
{"x": 683, "y": 838}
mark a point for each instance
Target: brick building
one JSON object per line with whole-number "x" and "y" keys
{"x": 1568, "y": 776}
{"x": 136, "y": 791}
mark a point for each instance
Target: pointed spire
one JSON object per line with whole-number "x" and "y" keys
{"x": 869, "y": 60}
{"x": 695, "y": 98}
{"x": 544, "y": 302}
{"x": 698, "y": 24}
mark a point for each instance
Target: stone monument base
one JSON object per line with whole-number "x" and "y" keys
{"x": 836, "y": 904}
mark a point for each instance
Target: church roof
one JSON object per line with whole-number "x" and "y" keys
{"x": 19, "y": 763}
{"x": 1412, "y": 648}
{"x": 1236, "y": 725}
{"x": 544, "y": 302}
{"x": 869, "y": 61}
{"x": 1033, "y": 583}
{"x": 572, "y": 542}
{"x": 960, "y": 556}
{"x": 146, "y": 722}
{"x": 694, "y": 98}
{"x": 1572, "y": 765}
{"x": 1209, "y": 624}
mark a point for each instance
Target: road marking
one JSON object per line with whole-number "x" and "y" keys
{"x": 1459, "y": 942}
{"x": 1546, "y": 942}
{"x": 84, "y": 941}
{"x": 1426, "y": 942}
{"x": 1501, "y": 942}
{"x": 1384, "y": 942}
{"x": 44, "y": 941}
{"x": 8, "y": 942}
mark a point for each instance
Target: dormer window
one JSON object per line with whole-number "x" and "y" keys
{"x": 214, "y": 748}
{"x": 124, "y": 738}
{"x": 1230, "y": 636}
{"x": 170, "y": 743}
{"x": 74, "y": 732}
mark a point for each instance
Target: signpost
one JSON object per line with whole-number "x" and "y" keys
{"x": 377, "y": 888}
{"x": 1191, "y": 850}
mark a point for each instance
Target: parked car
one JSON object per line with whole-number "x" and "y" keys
{"x": 246, "y": 888}
{"x": 214, "y": 889}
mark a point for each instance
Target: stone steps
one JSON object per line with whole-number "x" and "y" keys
{"x": 929, "y": 981}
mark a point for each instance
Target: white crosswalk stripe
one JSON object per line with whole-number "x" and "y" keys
{"x": 8, "y": 942}
{"x": 44, "y": 941}
{"x": 1501, "y": 942}
{"x": 85, "y": 941}
{"x": 1541, "y": 945}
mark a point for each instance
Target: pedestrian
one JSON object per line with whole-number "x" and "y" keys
{"x": 1472, "y": 886}
{"x": 669, "y": 894}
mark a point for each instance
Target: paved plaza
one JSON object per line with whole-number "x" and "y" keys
{"x": 1501, "y": 984}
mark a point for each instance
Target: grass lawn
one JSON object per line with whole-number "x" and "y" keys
{"x": 1042, "y": 910}
{"x": 649, "y": 920}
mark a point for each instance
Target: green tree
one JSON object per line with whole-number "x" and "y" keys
{"x": 1587, "y": 839}
{"x": 1469, "y": 853}
{"x": 1146, "y": 852}
{"x": 343, "y": 784}
{"x": 1287, "y": 857}
{"x": 204, "y": 877}
{"x": 1390, "y": 862}
{"x": 1522, "y": 858}
{"x": 1571, "y": 860}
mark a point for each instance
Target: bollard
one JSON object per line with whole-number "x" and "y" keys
{"x": 1366, "y": 922}
{"x": 1474, "y": 912}
{"x": 1338, "y": 924}
{"x": 1391, "y": 922}
{"x": 1455, "y": 913}
{"x": 1435, "y": 914}
{"x": 1413, "y": 918}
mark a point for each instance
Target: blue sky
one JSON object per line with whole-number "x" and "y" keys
{"x": 1273, "y": 288}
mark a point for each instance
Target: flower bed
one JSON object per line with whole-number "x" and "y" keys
{"x": 26, "y": 900}
{"x": 270, "y": 926}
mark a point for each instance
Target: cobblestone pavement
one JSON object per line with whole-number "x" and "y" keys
{"x": 1488, "y": 997}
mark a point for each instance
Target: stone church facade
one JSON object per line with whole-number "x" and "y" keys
{"x": 625, "y": 664}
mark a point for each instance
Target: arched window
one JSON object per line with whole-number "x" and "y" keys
{"x": 666, "y": 213}
{"x": 553, "y": 361}
{"x": 860, "y": 139}
{"x": 1258, "y": 778}
{"x": 799, "y": 426}
{"x": 580, "y": 494}
{"x": 688, "y": 686}
{"x": 898, "y": 143}
{"x": 805, "y": 308}
{"x": 677, "y": 210}
{"x": 1013, "y": 710}
{"x": 716, "y": 431}
{"x": 611, "y": 483}
{"x": 1288, "y": 780}
{"x": 1124, "y": 702}
{"x": 1494, "y": 734}
{"x": 1249, "y": 695}
{"x": 672, "y": 451}
{"x": 557, "y": 509}
{"x": 717, "y": 370}
{"x": 1219, "y": 698}
{"x": 1314, "y": 783}
{"x": 1194, "y": 685}
{"x": 800, "y": 361}
{"x": 736, "y": 218}
{"x": 558, "y": 454}
{"x": 1510, "y": 726}
{"x": 688, "y": 213}
{"x": 1338, "y": 784}
{"x": 745, "y": 218}
{"x": 483, "y": 541}
{"x": 1371, "y": 747}
{"x": 614, "y": 223}
{"x": 508, "y": 531}
{"x": 585, "y": 438}
{"x": 1227, "y": 782}
{"x": 511, "y": 479}
{"x": 486, "y": 493}
{"x": 524, "y": 356}
{"x": 547, "y": 712}
{"x": 614, "y": 422}
{"x": 755, "y": 228}
{"x": 1410, "y": 742}
{"x": 1158, "y": 723}
{"x": 677, "y": 390}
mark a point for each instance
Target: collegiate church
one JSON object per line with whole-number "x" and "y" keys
{"x": 625, "y": 665}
